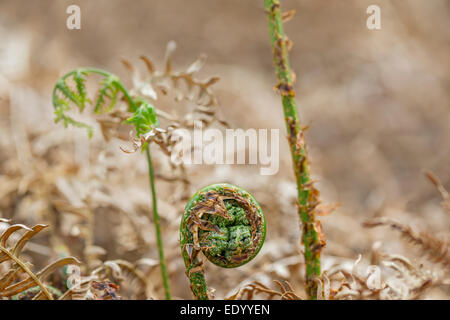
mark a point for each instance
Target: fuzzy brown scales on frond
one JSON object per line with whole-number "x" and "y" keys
{"x": 309, "y": 209}
{"x": 280, "y": 49}
{"x": 212, "y": 204}
{"x": 19, "y": 276}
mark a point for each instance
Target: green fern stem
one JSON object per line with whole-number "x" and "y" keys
{"x": 143, "y": 119}
{"x": 307, "y": 195}
{"x": 224, "y": 223}
{"x": 156, "y": 221}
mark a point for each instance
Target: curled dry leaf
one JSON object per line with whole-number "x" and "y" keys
{"x": 20, "y": 277}
{"x": 444, "y": 193}
{"x": 324, "y": 209}
{"x": 288, "y": 15}
{"x": 249, "y": 292}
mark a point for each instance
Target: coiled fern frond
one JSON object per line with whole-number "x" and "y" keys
{"x": 226, "y": 224}
{"x": 64, "y": 95}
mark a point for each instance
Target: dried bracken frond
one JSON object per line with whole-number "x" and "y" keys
{"x": 107, "y": 278}
{"x": 444, "y": 193}
{"x": 12, "y": 283}
{"x": 92, "y": 289}
{"x": 249, "y": 292}
{"x": 125, "y": 274}
{"x": 436, "y": 249}
{"x": 107, "y": 290}
{"x": 393, "y": 277}
{"x": 183, "y": 85}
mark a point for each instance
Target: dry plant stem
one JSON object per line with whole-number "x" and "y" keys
{"x": 306, "y": 193}
{"x": 156, "y": 221}
{"x": 28, "y": 271}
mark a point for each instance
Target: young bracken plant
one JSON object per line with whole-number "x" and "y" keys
{"x": 140, "y": 113}
{"x": 227, "y": 225}
{"x": 143, "y": 118}
{"x": 307, "y": 198}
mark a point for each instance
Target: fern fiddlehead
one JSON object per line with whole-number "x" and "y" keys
{"x": 226, "y": 224}
{"x": 143, "y": 118}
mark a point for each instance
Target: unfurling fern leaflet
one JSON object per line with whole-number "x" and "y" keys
{"x": 224, "y": 222}
{"x": 109, "y": 90}
{"x": 19, "y": 278}
{"x": 80, "y": 81}
{"x": 144, "y": 117}
{"x": 64, "y": 95}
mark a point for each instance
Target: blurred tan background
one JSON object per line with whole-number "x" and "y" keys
{"x": 377, "y": 103}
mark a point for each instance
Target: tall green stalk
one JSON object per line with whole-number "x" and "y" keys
{"x": 307, "y": 195}
{"x": 162, "y": 261}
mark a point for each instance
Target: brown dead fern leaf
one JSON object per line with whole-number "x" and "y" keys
{"x": 199, "y": 103}
{"x": 183, "y": 85}
{"x": 127, "y": 275}
{"x": 19, "y": 276}
{"x": 416, "y": 279}
{"x": 444, "y": 193}
{"x": 436, "y": 249}
{"x": 92, "y": 289}
{"x": 105, "y": 290}
{"x": 395, "y": 278}
{"x": 255, "y": 288}
{"x": 104, "y": 283}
